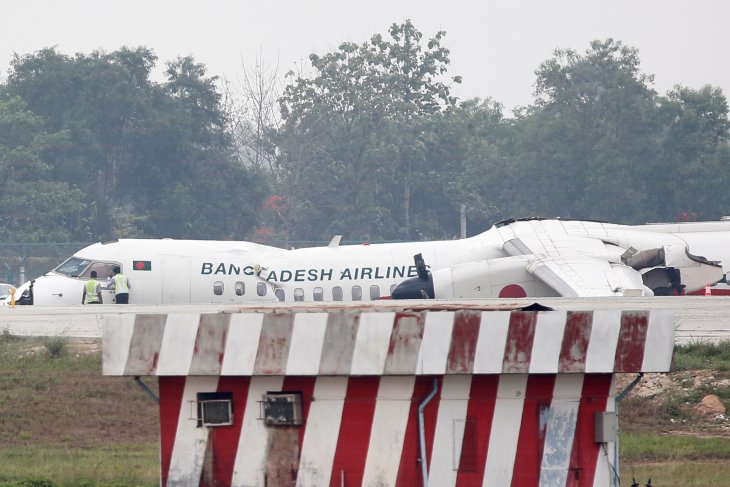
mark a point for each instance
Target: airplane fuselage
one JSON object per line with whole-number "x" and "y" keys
{"x": 187, "y": 271}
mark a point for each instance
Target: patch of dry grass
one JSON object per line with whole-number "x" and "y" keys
{"x": 57, "y": 411}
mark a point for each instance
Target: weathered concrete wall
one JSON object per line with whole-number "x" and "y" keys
{"x": 514, "y": 403}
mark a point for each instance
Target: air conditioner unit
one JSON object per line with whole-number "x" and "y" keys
{"x": 214, "y": 408}
{"x": 282, "y": 408}
{"x": 218, "y": 412}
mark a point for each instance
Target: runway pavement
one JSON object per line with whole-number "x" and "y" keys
{"x": 698, "y": 318}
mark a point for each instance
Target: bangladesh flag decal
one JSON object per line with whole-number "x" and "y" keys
{"x": 142, "y": 265}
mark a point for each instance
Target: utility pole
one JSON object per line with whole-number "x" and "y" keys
{"x": 462, "y": 221}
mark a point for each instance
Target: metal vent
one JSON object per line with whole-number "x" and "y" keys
{"x": 282, "y": 408}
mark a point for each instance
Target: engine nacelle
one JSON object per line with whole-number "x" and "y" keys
{"x": 672, "y": 269}
{"x": 506, "y": 277}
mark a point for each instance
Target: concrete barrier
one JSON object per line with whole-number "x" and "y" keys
{"x": 440, "y": 395}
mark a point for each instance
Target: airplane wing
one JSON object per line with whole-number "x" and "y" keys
{"x": 562, "y": 255}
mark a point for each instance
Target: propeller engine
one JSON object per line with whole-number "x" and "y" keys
{"x": 420, "y": 287}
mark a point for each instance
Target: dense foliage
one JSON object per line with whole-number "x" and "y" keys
{"x": 371, "y": 144}
{"x": 598, "y": 142}
{"x": 91, "y": 148}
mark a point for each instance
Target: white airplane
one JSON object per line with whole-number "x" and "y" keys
{"x": 515, "y": 258}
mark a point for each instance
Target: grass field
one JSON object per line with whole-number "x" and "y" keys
{"x": 62, "y": 421}
{"x": 673, "y": 460}
{"x": 663, "y": 441}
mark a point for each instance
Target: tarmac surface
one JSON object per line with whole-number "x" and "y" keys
{"x": 698, "y": 318}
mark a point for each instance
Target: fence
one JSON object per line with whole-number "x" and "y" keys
{"x": 21, "y": 261}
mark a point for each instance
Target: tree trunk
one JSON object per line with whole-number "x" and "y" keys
{"x": 407, "y": 200}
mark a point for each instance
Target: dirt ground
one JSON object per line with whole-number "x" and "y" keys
{"x": 73, "y": 404}
{"x": 666, "y": 403}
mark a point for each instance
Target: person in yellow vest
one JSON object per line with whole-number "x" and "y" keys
{"x": 92, "y": 291}
{"x": 120, "y": 285}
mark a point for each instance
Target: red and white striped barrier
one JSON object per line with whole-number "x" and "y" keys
{"x": 388, "y": 343}
{"x": 514, "y": 403}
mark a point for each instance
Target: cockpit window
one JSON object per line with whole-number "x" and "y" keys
{"x": 73, "y": 267}
{"x": 103, "y": 270}
{"x": 77, "y": 267}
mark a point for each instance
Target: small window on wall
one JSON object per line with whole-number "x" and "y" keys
{"x": 374, "y": 292}
{"x": 337, "y": 293}
{"x": 261, "y": 289}
{"x": 318, "y": 294}
{"x": 280, "y": 294}
{"x": 282, "y": 408}
{"x": 218, "y": 288}
{"x": 240, "y": 288}
{"x": 298, "y": 294}
{"x": 215, "y": 408}
{"x": 356, "y": 293}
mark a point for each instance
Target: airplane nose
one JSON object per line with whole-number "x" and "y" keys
{"x": 26, "y": 297}
{"x": 414, "y": 288}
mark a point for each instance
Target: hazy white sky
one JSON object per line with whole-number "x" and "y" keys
{"x": 495, "y": 45}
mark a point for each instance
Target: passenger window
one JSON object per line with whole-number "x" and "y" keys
{"x": 356, "y": 293}
{"x": 298, "y": 294}
{"x": 240, "y": 288}
{"x": 218, "y": 288}
{"x": 374, "y": 292}
{"x": 318, "y": 294}
{"x": 261, "y": 289}
{"x": 337, "y": 293}
{"x": 280, "y": 293}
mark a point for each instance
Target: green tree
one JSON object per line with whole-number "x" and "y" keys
{"x": 34, "y": 205}
{"x": 353, "y": 139}
{"x": 584, "y": 148}
{"x": 695, "y": 149}
{"x": 465, "y": 164}
{"x": 152, "y": 159}
{"x": 99, "y": 99}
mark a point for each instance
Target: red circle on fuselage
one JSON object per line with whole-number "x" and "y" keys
{"x": 512, "y": 291}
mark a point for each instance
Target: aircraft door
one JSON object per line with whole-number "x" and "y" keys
{"x": 104, "y": 274}
{"x": 176, "y": 280}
